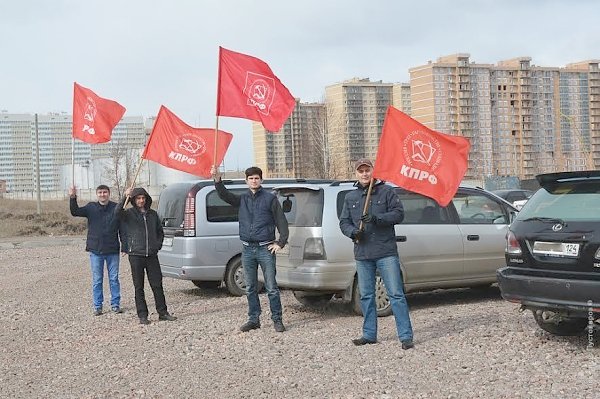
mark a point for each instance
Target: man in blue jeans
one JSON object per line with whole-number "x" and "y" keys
{"x": 375, "y": 249}
{"x": 102, "y": 244}
{"x": 259, "y": 214}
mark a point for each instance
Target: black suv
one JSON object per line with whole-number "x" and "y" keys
{"x": 553, "y": 253}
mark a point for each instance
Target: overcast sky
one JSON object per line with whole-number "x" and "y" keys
{"x": 144, "y": 53}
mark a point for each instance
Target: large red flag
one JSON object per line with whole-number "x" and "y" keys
{"x": 249, "y": 89}
{"x": 177, "y": 145}
{"x": 94, "y": 117}
{"x": 419, "y": 159}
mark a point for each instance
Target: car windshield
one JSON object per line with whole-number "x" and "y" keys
{"x": 566, "y": 201}
{"x": 302, "y": 207}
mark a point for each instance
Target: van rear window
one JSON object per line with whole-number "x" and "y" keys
{"x": 218, "y": 210}
{"x": 302, "y": 207}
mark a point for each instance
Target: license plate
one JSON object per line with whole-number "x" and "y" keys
{"x": 168, "y": 241}
{"x": 555, "y": 248}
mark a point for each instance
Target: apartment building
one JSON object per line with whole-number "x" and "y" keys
{"x": 298, "y": 149}
{"x": 356, "y": 111}
{"x": 18, "y": 157}
{"x": 521, "y": 119}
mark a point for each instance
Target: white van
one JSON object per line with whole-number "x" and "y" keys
{"x": 201, "y": 241}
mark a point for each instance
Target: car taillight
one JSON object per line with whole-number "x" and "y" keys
{"x": 512, "y": 245}
{"x": 314, "y": 248}
{"x": 189, "y": 216}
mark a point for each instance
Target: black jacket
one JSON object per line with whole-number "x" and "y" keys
{"x": 379, "y": 238}
{"x": 143, "y": 230}
{"x": 259, "y": 214}
{"x": 103, "y": 228}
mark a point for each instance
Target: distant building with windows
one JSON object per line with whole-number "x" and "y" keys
{"x": 521, "y": 119}
{"x": 18, "y": 157}
{"x": 299, "y": 149}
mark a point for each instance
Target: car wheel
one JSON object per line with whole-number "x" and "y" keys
{"x": 555, "y": 324}
{"x": 311, "y": 300}
{"x": 234, "y": 278}
{"x": 382, "y": 301}
{"x": 207, "y": 284}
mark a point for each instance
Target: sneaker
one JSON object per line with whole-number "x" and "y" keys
{"x": 362, "y": 341}
{"x": 144, "y": 320}
{"x": 250, "y": 325}
{"x": 279, "y": 327}
{"x": 407, "y": 344}
{"x": 97, "y": 311}
{"x": 166, "y": 317}
{"x": 117, "y": 309}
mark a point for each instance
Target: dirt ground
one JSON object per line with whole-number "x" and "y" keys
{"x": 20, "y": 218}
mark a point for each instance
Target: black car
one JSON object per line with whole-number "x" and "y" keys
{"x": 553, "y": 253}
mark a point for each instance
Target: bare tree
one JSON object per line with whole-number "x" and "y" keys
{"x": 121, "y": 169}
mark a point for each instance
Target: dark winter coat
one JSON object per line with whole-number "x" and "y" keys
{"x": 103, "y": 228}
{"x": 143, "y": 230}
{"x": 259, "y": 214}
{"x": 379, "y": 238}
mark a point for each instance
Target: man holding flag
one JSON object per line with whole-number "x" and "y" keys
{"x": 368, "y": 218}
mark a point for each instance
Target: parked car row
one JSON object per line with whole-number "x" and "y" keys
{"x": 460, "y": 245}
{"x": 551, "y": 250}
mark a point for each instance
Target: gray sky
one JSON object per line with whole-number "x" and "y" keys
{"x": 144, "y": 53}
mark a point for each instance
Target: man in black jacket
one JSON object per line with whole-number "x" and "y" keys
{"x": 144, "y": 234}
{"x": 259, "y": 214}
{"x": 102, "y": 243}
{"x": 375, "y": 249}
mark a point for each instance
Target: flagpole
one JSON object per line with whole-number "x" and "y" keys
{"x": 216, "y": 142}
{"x": 73, "y": 161}
{"x": 134, "y": 179}
{"x": 366, "y": 207}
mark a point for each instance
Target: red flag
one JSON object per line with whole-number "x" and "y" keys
{"x": 249, "y": 89}
{"x": 94, "y": 117}
{"x": 419, "y": 159}
{"x": 177, "y": 145}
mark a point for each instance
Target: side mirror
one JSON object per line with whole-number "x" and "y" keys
{"x": 287, "y": 205}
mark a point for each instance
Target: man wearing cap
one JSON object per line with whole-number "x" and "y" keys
{"x": 375, "y": 249}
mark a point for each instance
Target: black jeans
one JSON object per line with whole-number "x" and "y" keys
{"x": 152, "y": 267}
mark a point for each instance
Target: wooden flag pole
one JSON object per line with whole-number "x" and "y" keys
{"x": 137, "y": 172}
{"x": 366, "y": 207}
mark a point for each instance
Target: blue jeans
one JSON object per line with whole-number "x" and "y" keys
{"x": 252, "y": 256}
{"x": 112, "y": 264}
{"x": 389, "y": 269}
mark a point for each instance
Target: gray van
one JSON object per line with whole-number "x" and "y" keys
{"x": 201, "y": 241}
{"x": 460, "y": 245}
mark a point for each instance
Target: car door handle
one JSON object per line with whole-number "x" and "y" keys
{"x": 473, "y": 237}
{"x": 400, "y": 238}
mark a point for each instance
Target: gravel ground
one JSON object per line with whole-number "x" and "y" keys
{"x": 469, "y": 343}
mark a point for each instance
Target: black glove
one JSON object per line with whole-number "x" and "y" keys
{"x": 357, "y": 235}
{"x": 368, "y": 218}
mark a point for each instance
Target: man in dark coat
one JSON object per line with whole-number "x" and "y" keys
{"x": 102, "y": 243}
{"x": 259, "y": 214}
{"x": 145, "y": 235}
{"x": 375, "y": 249}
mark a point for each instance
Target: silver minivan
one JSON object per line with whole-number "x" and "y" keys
{"x": 201, "y": 241}
{"x": 460, "y": 245}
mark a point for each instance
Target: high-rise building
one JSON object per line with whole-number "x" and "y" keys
{"x": 298, "y": 149}
{"x": 401, "y": 97}
{"x": 521, "y": 119}
{"x": 356, "y": 111}
{"x": 18, "y": 157}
